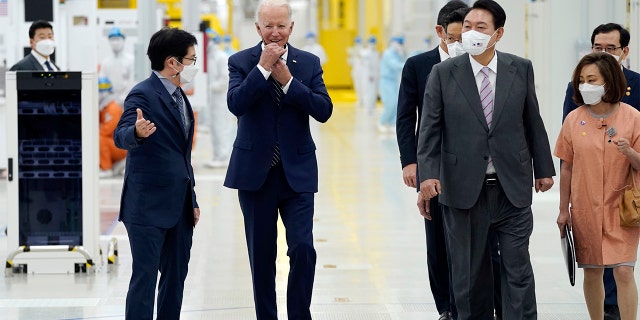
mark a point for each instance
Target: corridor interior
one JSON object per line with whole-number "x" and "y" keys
{"x": 368, "y": 234}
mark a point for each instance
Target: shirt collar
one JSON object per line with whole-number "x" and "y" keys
{"x": 443, "y": 55}
{"x": 476, "y": 66}
{"x": 284, "y": 56}
{"x": 171, "y": 88}
{"x": 41, "y": 59}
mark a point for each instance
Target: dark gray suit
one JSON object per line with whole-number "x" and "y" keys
{"x": 29, "y": 63}
{"x": 454, "y": 146}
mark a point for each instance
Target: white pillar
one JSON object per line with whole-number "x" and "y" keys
{"x": 147, "y": 15}
{"x": 190, "y": 15}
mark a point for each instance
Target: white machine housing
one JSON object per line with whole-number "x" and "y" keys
{"x": 54, "y": 257}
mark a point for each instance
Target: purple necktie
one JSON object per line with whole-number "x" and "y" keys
{"x": 486, "y": 97}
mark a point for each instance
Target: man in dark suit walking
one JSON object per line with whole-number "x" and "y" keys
{"x": 613, "y": 39}
{"x": 158, "y": 205}
{"x": 412, "y": 84}
{"x": 42, "y": 47}
{"x": 273, "y": 90}
{"x": 481, "y": 135}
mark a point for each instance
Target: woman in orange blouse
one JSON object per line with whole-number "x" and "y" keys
{"x": 598, "y": 143}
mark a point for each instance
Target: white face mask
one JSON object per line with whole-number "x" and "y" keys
{"x": 475, "y": 43}
{"x": 188, "y": 72}
{"x": 616, "y": 57}
{"x": 591, "y": 94}
{"x": 45, "y": 47}
{"x": 116, "y": 43}
{"x": 455, "y": 49}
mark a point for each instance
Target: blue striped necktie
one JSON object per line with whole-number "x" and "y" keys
{"x": 276, "y": 102}
{"x": 185, "y": 123}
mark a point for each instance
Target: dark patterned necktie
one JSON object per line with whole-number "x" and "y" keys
{"x": 185, "y": 123}
{"x": 277, "y": 97}
{"x": 48, "y": 65}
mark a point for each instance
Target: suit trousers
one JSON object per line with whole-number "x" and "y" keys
{"x": 437, "y": 260}
{"x": 468, "y": 232}
{"x": 610, "y": 288}
{"x": 156, "y": 249}
{"x": 260, "y": 210}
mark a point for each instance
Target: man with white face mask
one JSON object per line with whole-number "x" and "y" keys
{"x": 42, "y": 47}
{"x": 119, "y": 66}
{"x": 481, "y": 137}
{"x": 613, "y": 39}
{"x": 414, "y": 78}
{"x": 158, "y": 205}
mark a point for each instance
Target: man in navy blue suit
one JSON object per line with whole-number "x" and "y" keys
{"x": 273, "y": 90}
{"x": 158, "y": 205}
{"x": 613, "y": 39}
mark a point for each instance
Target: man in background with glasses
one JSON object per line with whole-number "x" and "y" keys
{"x": 410, "y": 99}
{"x": 613, "y": 39}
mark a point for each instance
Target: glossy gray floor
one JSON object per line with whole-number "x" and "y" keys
{"x": 368, "y": 234}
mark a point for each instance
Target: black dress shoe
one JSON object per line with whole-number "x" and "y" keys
{"x": 611, "y": 312}
{"x": 446, "y": 316}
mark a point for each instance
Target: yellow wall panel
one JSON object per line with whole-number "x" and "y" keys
{"x": 337, "y": 72}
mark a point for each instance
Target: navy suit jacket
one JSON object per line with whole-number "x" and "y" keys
{"x": 29, "y": 63}
{"x": 630, "y": 97}
{"x": 414, "y": 79}
{"x": 261, "y": 125}
{"x": 159, "y": 172}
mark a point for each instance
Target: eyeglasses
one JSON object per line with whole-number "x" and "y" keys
{"x": 610, "y": 49}
{"x": 192, "y": 59}
{"x": 451, "y": 40}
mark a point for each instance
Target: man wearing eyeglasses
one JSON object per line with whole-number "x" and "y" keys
{"x": 158, "y": 205}
{"x": 613, "y": 39}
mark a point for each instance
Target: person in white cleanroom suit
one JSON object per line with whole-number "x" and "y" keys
{"x": 424, "y": 47}
{"x": 227, "y": 45}
{"x": 118, "y": 67}
{"x": 312, "y": 45}
{"x": 390, "y": 70}
{"x": 354, "y": 55}
{"x": 370, "y": 75}
{"x": 221, "y": 121}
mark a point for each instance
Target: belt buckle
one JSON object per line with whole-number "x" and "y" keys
{"x": 491, "y": 181}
